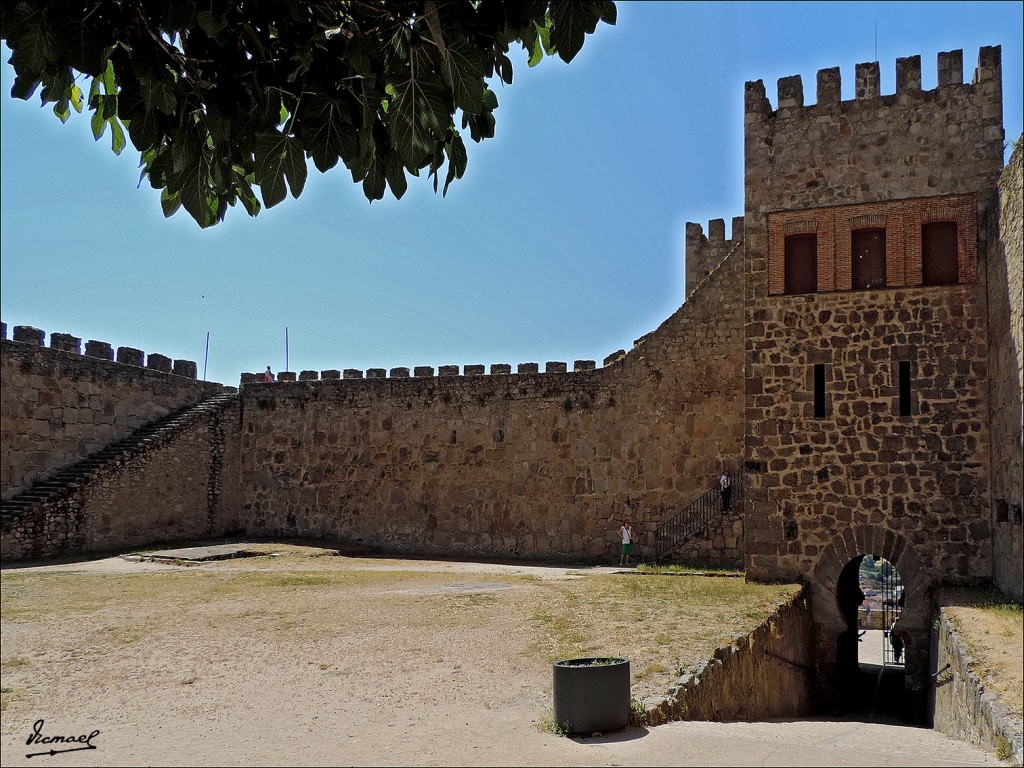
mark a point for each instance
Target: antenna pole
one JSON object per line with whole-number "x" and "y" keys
{"x": 207, "y": 358}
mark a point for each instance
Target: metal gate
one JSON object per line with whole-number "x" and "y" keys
{"x": 892, "y": 607}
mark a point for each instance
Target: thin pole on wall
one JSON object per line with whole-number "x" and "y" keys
{"x": 207, "y": 358}
{"x": 286, "y": 348}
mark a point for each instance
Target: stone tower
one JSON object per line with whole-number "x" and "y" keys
{"x": 868, "y": 224}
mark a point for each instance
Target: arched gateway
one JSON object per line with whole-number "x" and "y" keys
{"x": 836, "y": 596}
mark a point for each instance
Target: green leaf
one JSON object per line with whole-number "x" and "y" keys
{"x": 117, "y": 142}
{"x": 457, "y": 162}
{"x": 279, "y": 157}
{"x": 536, "y": 52}
{"x": 395, "y": 174}
{"x": 35, "y": 52}
{"x": 99, "y": 125}
{"x": 245, "y": 193}
{"x": 463, "y": 72}
{"x": 505, "y": 68}
{"x": 61, "y": 110}
{"x": 78, "y": 44}
{"x": 170, "y": 202}
{"x": 416, "y": 117}
{"x": 196, "y": 195}
{"x": 108, "y": 78}
{"x": 572, "y": 21}
{"x": 160, "y": 95}
{"x": 77, "y": 98}
{"x": 210, "y": 24}
{"x": 327, "y": 132}
{"x": 375, "y": 179}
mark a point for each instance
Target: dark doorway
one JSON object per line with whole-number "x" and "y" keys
{"x": 870, "y": 654}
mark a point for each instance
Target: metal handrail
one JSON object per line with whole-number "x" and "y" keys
{"x": 696, "y": 516}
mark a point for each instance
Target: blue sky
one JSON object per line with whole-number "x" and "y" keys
{"x": 564, "y": 241}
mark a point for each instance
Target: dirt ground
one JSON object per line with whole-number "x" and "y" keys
{"x": 304, "y": 658}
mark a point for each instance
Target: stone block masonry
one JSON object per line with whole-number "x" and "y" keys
{"x": 962, "y": 708}
{"x": 528, "y": 464}
{"x": 176, "y": 482}
{"x": 867, "y": 428}
{"x": 59, "y": 406}
{"x": 766, "y": 674}
{"x": 1006, "y": 371}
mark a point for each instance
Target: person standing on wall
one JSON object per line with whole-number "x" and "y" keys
{"x": 725, "y": 489}
{"x": 269, "y": 375}
{"x": 626, "y": 531}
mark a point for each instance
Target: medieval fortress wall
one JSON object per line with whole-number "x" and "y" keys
{"x": 527, "y": 464}
{"x": 59, "y": 405}
{"x": 546, "y": 464}
{"x": 1006, "y": 372}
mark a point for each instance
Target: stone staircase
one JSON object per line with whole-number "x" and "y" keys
{"x": 70, "y": 479}
{"x": 696, "y": 517}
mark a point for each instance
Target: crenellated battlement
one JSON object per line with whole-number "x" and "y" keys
{"x": 867, "y": 84}
{"x": 102, "y": 350}
{"x": 428, "y": 372}
{"x": 704, "y": 254}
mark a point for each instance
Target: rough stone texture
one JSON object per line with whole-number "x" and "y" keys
{"x": 531, "y": 465}
{"x": 131, "y": 356}
{"x": 99, "y": 349}
{"x": 181, "y": 484}
{"x": 1006, "y": 371}
{"x": 66, "y": 343}
{"x": 720, "y": 544}
{"x": 156, "y": 362}
{"x": 58, "y": 407}
{"x": 862, "y": 479}
{"x": 26, "y": 334}
{"x": 185, "y": 368}
{"x": 766, "y": 674}
{"x": 962, "y": 708}
{"x": 704, "y": 254}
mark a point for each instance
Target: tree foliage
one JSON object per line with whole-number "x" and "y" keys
{"x": 221, "y": 97}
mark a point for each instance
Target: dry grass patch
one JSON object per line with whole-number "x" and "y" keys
{"x": 991, "y": 626}
{"x": 91, "y": 629}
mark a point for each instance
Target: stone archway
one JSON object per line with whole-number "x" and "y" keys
{"x": 830, "y": 608}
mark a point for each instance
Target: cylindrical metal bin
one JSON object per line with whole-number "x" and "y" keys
{"x": 591, "y": 695}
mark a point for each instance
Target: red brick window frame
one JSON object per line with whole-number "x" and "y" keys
{"x": 961, "y": 210}
{"x": 902, "y": 222}
{"x": 798, "y": 227}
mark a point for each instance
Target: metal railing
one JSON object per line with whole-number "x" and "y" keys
{"x": 697, "y": 516}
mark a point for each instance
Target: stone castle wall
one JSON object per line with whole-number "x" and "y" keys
{"x": 59, "y": 406}
{"x": 179, "y": 485}
{"x": 962, "y": 707}
{"x": 861, "y": 479}
{"x": 704, "y": 254}
{"x": 1006, "y": 369}
{"x": 530, "y": 465}
{"x": 765, "y": 674}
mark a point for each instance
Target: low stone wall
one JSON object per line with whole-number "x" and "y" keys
{"x": 962, "y": 706}
{"x": 768, "y": 673}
